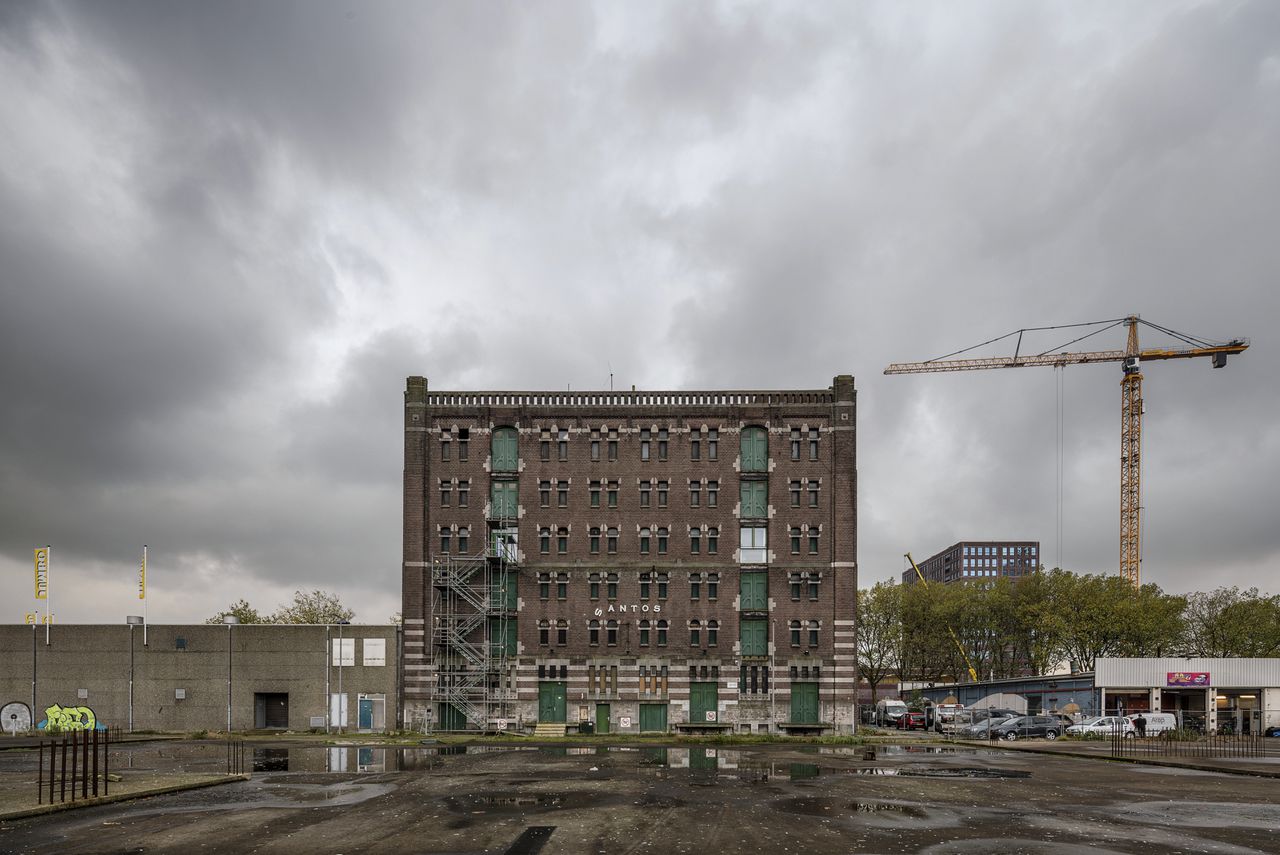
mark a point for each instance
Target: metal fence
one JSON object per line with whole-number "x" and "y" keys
{"x": 235, "y": 756}
{"x": 89, "y": 765}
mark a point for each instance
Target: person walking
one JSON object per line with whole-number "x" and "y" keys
{"x": 1140, "y": 722}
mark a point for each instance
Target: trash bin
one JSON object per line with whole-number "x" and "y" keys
{"x": 586, "y": 727}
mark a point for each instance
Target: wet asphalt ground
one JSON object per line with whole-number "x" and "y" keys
{"x": 767, "y": 798}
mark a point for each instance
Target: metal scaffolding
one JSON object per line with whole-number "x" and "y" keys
{"x": 473, "y": 632}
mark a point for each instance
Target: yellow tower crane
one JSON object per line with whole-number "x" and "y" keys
{"x": 1131, "y": 359}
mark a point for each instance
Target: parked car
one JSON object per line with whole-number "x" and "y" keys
{"x": 1272, "y": 731}
{"x": 911, "y": 720}
{"x": 981, "y": 729}
{"x": 1105, "y": 725}
{"x": 1028, "y": 726}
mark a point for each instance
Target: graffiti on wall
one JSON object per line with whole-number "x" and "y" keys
{"x": 61, "y": 719}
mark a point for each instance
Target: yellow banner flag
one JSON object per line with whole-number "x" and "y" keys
{"x": 42, "y": 573}
{"x": 142, "y": 576}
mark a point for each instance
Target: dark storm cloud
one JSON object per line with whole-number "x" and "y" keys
{"x": 229, "y": 231}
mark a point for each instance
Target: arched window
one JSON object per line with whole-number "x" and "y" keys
{"x": 644, "y": 633}
{"x": 713, "y": 633}
{"x": 593, "y": 632}
{"x": 505, "y": 450}
{"x": 662, "y": 633}
{"x": 611, "y": 629}
{"x": 644, "y": 541}
{"x": 544, "y": 632}
{"x": 695, "y": 633}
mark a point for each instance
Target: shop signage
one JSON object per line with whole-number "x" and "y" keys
{"x": 1186, "y": 678}
{"x": 625, "y": 608}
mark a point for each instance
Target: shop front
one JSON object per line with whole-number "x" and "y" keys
{"x": 1205, "y": 695}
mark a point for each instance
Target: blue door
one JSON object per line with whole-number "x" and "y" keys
{"x": 366, "y": 714}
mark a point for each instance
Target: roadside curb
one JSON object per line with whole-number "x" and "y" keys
{"x": 42, "y": 810}
{"x": 1141, "y": 761}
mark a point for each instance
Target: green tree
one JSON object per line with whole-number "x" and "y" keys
{"x": 314, "y": 607}
{"x": 241, "y": 610}
{"x": 879, "y": 633}
{"x": 1229, "y": 622}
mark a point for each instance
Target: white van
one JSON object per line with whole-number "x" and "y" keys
{"x": 1157, "y": 722}
{"x": 888, "y": 711}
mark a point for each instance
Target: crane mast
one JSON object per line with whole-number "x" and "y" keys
{"x": 1131, "y": 359}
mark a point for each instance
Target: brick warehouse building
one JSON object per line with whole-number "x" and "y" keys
{"x": 630, "y": 561}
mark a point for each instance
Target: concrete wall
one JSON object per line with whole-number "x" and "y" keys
{"x": 129, "y": 684}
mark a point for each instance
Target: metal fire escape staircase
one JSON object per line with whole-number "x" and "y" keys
{"x": 470, "y": 599}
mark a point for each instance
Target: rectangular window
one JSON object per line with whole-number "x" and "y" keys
{"x": 375, "y": 651}
{"x": 695, "y": 633}
{"x": 813, "y": 540}
{"x": 611, "y": 586}
{"x": 613, "y": 541}
{"x": 662, "y": 541}
{"x": 446, "y": 491}
{"x": 695, "y": 586}
{"x": 562, "y": 586}
{"x": 645, "y": 582}
{"x": 344, "y": 651}
{"x": 644, "y": 444}
{"x": 464, "y": 434}
{"x": 544, "y": 541}
{"x": 795, "y": 635}
{"x": 713, "y": 586}
{"x": 645, "y": 489}
{"x": 562, "y": 632}
{"x": 795, "y": 494}
{"x": 753, "y": 544}
{"x": 713, "y": 633}
{"x": 663, "y": 583}
{"x": 664, "y": 489}
{"x": 544, "y": 494}
{"x": 595, "y": 541}
{"x": 562, "y": 541}
{"x": 463, "y": 538}
{"x": 644, "y": 633}
{"x": 595, "y": 494}
{"x": 795, "y": 443}
{"x": 544, "y": 448}
{"x": 464, "y": 493}
{"x": 813, "y": 492}
{"x": 662, "y": 443}
{"x": 695, "y": 541}
{"x": 695, "y": 446}
{"x": 593, "y": 585}
{"x": 562, "y": 494}
{"x": 645, "y": 537}
{"x": 595, "y": 447}
{"x": 713, "y": 444}
{"x": 813, "y": 443}
{"x": 563, "y": 445}
{"x": 695, "y": 494}
{"x": 445, "y": 445}
{"x": 544, "y": 633}
{"x": 813, "y": 633}
{"x": 815, "y": 580}
{"x": 662, "y": 633}
{"x": 713, "y": 494}
{"x": 544, "y": 586}
{"x": 797, "y": 583}
{"x": 795, "y": 540}
{"x": 613, "y": 445}
{"x": 613, "y": 494}
{"x": 611, "y": 633}
{"x": 713, "y": 540}
{"x": 445, "y": 535}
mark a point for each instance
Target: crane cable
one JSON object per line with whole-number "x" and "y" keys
{"x": 1059, "y": 370}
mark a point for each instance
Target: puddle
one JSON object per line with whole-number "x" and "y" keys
{"x": 896, "y": 750}
{"x": 960, "y": 772}
{"x": 886, "y": 807}
{"x": 474, "y": 803}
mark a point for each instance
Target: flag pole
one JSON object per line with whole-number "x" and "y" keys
{"x": 142, "y": 592}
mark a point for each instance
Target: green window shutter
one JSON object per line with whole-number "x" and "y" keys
{"x": 755, "y": 499}
{"x": 504, "y": 450}
{"x": 754, "y": 637}
{"x": 755, "y": 450}
{"x": 503, "y": 495}
{"x": 754, "y": 591}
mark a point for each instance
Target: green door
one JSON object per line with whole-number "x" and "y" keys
{"x": 602, "y": 718}
{"x": 452, "y": 718}
{"x": 755, "y": 450}
{"x": 754, "y": 591}
{"x": 754, "y": 496}
{"x": 504, "y": 503}
{"x": 753, "y": 637}
{"x": 653, "y": 718}
{"x": 504, "y": 451}
{"x": 702, "y": 703}
{"x": 804, "y": 703}
{"x": 551, "y": 704}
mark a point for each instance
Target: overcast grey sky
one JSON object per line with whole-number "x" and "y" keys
{"x": 228, "y": 231}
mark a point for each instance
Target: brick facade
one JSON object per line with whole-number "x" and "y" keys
{"x": 978, "y": 559}
{"x": 646, "y": 468}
